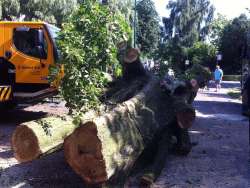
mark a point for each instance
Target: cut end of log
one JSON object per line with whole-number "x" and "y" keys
{"x": 185, "y": 114}
{"x": 83, "y": 153}
{"x": 132, "y": 55}
{"x": 185, "y": 117}
{"x": 25, "y": 144}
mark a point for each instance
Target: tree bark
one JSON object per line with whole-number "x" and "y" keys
{"x": 34, "y": 139}
{"x": 101, "y": 149}
{"x": 131, "y": 65}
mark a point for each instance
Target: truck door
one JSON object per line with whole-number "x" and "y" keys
{"x": 29, "y": 51}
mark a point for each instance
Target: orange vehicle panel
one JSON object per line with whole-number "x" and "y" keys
{"x": 28, "y": 69}
{"x": 1, "y": 40}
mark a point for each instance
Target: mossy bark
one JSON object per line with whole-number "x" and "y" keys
{"x": 36, "y": 138}
{"x": 110, "y": 144}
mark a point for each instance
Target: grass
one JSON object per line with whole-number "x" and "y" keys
{"x": 231, "y": 77}
{"x": 235, "y": 94}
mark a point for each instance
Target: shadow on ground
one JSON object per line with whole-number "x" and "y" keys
{"x": 13, "y": 117}
{"x": 222, "y": 107}
{"x": 49, "y": 171}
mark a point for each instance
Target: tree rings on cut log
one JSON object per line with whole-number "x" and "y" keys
{"x": 107, "y": 146}
{"x": 25, "y": 144}
{"x": 36, "y": 138}
{"x": 185, "y": 114}
{"x": 131, "y": 65}
{"x": 84, "y": 154}
{"x": 132, "y": 55}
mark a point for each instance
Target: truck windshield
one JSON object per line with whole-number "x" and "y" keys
{"x": 53, "y": 32}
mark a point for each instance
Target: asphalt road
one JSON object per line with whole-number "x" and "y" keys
{"x": 221, "y": 158}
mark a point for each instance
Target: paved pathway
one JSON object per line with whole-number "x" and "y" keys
{"x": 219, "y": 160}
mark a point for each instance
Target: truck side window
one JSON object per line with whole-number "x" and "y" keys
{"x": 27, "y": 42}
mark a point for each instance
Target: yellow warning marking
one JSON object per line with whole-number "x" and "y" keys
{"x": 3, "y": 93}
{"x": 8, "y": 94}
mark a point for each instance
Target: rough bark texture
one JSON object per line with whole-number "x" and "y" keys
{"x": 41, "y": 137}
{"x": 131, "y": 65}
{"x": 36, "y": 138}
{"x": 118, "y": 137}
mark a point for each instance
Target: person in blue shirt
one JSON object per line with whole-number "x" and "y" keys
{"x": 218, "y": 74}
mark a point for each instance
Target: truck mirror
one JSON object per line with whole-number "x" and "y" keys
{"x": 40, "y": 52}
{"x": 40, "y": 38}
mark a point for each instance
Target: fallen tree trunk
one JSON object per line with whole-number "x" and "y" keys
{"x": 110, "y": 144}
{"x": 37, "y": 138}
{"x": 33, "y": 139}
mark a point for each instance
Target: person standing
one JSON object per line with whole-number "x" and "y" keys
{"x": 218, "y": 74}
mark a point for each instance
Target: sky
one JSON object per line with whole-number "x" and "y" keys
{"x": 229, "y": 8}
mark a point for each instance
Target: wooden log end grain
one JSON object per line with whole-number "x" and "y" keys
{"x": 185, "y": 115}
{"x": 25, "y": 144}
{"x": 34, "y": 139}
{"x": 132, "y": 66}
{"x": 84, "y": 155}
{"x": 132, "y": 55}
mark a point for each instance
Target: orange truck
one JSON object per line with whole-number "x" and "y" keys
{"x": 27, "y": 50}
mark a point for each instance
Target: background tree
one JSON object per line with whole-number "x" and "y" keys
{"x": 233, "y": 44}
{"x": 148, "y": 28}
{"x": 188, "y": 22}
{"x": 216, "y": 29}
{"x": 9, "y": 8}
{"x": 204, "y": 54}
{"x": 52, "y": 11}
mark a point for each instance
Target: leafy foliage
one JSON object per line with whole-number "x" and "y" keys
{"x": 200, "y": 73}
{"x": 184, "y": 32}
{"x": 52, "y": 11}
{"x": 148, "y": 28}
{"x": 188, "y": 21}
{"x": 203, "y": 53}
{"x": 216, "y": 29}
{"x": 233, "y": 44}
{"x": 88, "y": 45}
{"x": 9, "y": 7}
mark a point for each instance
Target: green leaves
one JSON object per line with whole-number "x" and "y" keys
{"x": 52, "y": 11}
{"x": 188, "y": 20}
{"x": 148, "y": 28}
{"x": 88, "y": 44}
{"x": 233, "y": 44}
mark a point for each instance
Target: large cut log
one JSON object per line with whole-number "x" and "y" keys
{"x": 33, "y": 139}
{"x": 37, "y": 138}
{"x": 110, "y": 144}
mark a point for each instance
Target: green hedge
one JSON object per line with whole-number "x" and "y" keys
{"x": 231, "y": 77}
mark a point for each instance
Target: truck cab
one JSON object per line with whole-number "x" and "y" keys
{"x": 27, "y": 50}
